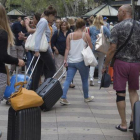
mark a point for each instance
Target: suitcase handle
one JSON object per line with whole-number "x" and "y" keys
{"x": 26, "y": 71}
{"x": 32, "y": 70}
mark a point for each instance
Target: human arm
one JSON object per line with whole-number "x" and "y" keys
{"x": 106, "y": 31}
{"x": 53, "y": 42}
{"x": 4, "y": 56}
{"x": 112, "y": 49}
{"x": 42, "y": 25}
{"x": 67, "y": 50}
{"x": 29, "y": 30}
{"x": 88, "y": 40}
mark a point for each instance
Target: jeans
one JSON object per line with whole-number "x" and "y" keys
{"x": 100, "y": 57}
{"x": 29, "y": 56}
{"x": 46, "y": 61}
{"x": 84, "y": 72}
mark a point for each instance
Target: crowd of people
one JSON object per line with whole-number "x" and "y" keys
{"x": 66, "y": 39}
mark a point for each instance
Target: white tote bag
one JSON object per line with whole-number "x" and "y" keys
{"x": 102, "y": 43}
{"x": 30, "y": 43}
{"x": 89, "y": 57}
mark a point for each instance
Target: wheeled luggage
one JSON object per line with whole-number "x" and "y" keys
{"x": 24, "y": 124}
{"x": 19, "y": 78}
{"x": 136, "y": 121}
{"x": 50, "y": 91}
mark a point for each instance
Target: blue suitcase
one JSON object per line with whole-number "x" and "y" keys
{"x": 19, "y": 78}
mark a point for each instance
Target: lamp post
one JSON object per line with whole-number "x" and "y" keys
{"x": 134, "y": 3}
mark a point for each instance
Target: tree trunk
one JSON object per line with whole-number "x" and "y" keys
{"x": 66, "y": 8}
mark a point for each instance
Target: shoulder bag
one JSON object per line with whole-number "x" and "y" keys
{"x": 30, "y": 43}
{"x": 102, "y": 43}
{"x": 88, "y": 56}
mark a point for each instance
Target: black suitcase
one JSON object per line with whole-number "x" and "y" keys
{"x": 136, "y": 121}
{"x": 50, "y": 91}
{"x": 24, "y": 124}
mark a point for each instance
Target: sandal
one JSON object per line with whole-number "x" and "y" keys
{"x": 121, "y": 129}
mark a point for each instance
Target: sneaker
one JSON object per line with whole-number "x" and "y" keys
{"x": 0, "y": 134}
{"x": 64, "y": 101}
{"x": 89, "y": 99}
{"x": 99, "y": 82}
{"x": 91, "y": 82}
{"x": 72, "y": 86}
{"x": 131, "y": 126}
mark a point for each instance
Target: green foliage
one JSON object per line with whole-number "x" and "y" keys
{"x": 64, "y": 7}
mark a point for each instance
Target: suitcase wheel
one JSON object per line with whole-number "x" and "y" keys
{"x": 8, "y": 103}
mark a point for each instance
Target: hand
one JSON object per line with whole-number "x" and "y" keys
{"x": 27, "y": 21}
{"x": 65, "y": 63}
{"x": 105, "y": 69}
{"x": 56, "y": 51}
{"x": 21, "y": 63}
{"x": 36, "y": 54}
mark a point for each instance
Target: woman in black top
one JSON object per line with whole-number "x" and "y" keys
{"x": 58, "y": 43}
{"x": 6, "y": 39}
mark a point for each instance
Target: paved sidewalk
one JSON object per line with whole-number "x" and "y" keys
{"x": 80, "y": 121}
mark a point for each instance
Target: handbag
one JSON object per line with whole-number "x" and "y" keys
{"x": 30, "y": 43}
{"x": 105, "y": 81}
{"x": 23, "y": 98}
{"x": 121, "y": 47}
{"x": 89, "y": 58}
{"x": 102, "y": 43}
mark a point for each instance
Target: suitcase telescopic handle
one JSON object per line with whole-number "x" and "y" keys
{"x": 63, "y": 74}
{"x": 58, "y": 70}
{"x": 32, "y": 69}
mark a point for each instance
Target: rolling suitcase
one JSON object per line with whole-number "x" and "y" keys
{"x": 19, "y": 78}
{"x": 136, "y": 121}
{"x": 24, "y": 124}
{"x": 50, "y": 91}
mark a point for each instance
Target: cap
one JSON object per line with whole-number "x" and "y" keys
{"x": 111, "y": 23}
{"x": 105, "y": 18}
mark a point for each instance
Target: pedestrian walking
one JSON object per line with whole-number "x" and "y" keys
{"x": 94, "y": 31}
{"x": 6, "y": 40}
{"x": 58, "y": 44}
{"x": 17, "y": 50}
{"x": 73, "y": 59}
{"x": 125, "y": 39}
{"x": 45, "y": 57}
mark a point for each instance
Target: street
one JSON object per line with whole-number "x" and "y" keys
{"x": 79, "y": 120}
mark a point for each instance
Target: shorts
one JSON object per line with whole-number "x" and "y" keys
{"x": 126, "y": 72}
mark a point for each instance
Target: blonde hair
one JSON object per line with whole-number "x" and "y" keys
{"x": 4, "y": 24}
{"x": 98, "y": 21}
{"x": 71, "y": 21}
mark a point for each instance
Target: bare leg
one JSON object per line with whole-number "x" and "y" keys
{"x": 133, "y": 95}
{"x": 121, "y": 105}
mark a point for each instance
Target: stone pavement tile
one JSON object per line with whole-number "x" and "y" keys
{"x": 112, "y": 116}
{"x": 78, "y": 114}
{"x": 118, "y": 137}
{"x": 48, "y": 125}
{"x": 80, "y": 130}
{"x": 81, "y": 137}
{"x": 75, "y": 124}
{"x": 76, "y": 119}
{"x": 50, "y": 137}
{"x": 115, "y": 132}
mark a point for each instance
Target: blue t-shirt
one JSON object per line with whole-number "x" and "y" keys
{"x": 17, "y": 28}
